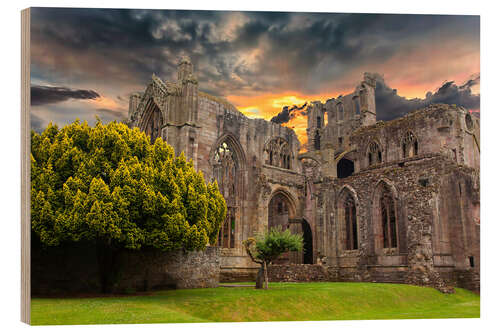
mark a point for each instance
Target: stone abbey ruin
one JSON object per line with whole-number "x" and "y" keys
{"x": 394, "y": 201}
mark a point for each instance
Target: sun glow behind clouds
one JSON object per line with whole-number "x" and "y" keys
{"x": 269, "y": 105}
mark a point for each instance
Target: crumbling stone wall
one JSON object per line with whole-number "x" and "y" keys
{"x": 73, "y": 268}
{"x": 302, "y": 273}
{"x": 435, "y": 186}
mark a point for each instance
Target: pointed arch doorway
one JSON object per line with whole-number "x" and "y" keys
{"x": 281, "y": 215}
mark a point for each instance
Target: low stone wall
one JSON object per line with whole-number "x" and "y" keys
{"x": 467, "y": 279}
{"x": 380, "y": 274}
{"x": 238, "y": 275}
{"x": 301, "y": 273}
{"x": 74, "y": 269}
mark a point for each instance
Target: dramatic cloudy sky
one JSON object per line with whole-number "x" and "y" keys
{"x": 86, "y": 62}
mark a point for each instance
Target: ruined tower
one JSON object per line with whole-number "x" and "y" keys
{"x": 345, "y": 114}
{"x": 315, "y": 124}
{"x": 366, "y": 93}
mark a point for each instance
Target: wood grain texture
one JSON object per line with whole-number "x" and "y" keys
{"x": 25, "y": 167}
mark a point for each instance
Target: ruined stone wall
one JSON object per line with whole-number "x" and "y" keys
{"x": 438, "y": 129}
{"x": 426, "y": 211}
{"x": 73, "y": 268}
{"x": 219, "y": 119}
{"x": 302, "y": 273}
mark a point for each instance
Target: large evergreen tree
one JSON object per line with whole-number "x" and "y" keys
{"x": 108, "y": 185}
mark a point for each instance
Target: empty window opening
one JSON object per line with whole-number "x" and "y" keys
{"x": 471, "y": 261}
{"x": 468, "y": 122}
{"x": 227, "y": 231}
{"x": 340, "y": 109}
{"x": 423, "y": 182}
{"x": 388, "y": 219}
{"x": 374, "y": 153}
{"x": 345, "y": 168}
{"x": 317, "y": 141}
{"x": 351, "y": 228}
{"x": 226, "y": 173}
{"x": 409, "y": 145}
{"x": 191, "y": 148}
{"x": 278, "y": 153}
{"x": 357, "y": 106}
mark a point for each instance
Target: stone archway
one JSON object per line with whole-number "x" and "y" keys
{"x": 280, "y": 211}
{"x": 282, "y": 215}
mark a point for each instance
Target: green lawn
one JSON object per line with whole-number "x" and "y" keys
{"x": 283, "y": 302}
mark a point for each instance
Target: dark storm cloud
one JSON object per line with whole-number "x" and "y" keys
{"x": 390, "y": 105}
{"x": 288, "y": 114}
{"x": 41, "y": 95}
{"x": 299, "y": 51}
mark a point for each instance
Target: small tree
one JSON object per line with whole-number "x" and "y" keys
{"x": 110, "y": 186}
{"x": 269, "y": 246}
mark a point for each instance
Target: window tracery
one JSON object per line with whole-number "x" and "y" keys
{"x": 226, "y": 174}
{"x": 278, "y": 153}
{"x": 374, "y": 153}
{"x": 351, "y": 228}
{"x": 388, "y": 219}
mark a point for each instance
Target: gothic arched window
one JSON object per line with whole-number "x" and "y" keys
{"x": 317, "y": 141}
{"x": 278, "y": 153}
{"x": 388, "y": 219}
{"x": 226, "y": 174}
{"x": 351, "y": 227}
{"x": 152, "y": 121}
{"x": 409, "y": 145}
{"x": 340, "y": 110}
{"x": 357, "y": 106}
{"x": 374, "y": 153}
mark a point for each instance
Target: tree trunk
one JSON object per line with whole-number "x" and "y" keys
{"x": 260, "y": 278}
{"x": 265, "y": 276}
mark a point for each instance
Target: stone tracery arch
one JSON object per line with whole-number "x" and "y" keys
{"x": 278, "y": 153}
{"x": 152, "y": 121}
{"x": 347, "y": 219}
{"x": 374, "y": 153}
{"x": 409, "y": 145}
{"x": 228, "y": 161}
{"x": 388, "y": 228}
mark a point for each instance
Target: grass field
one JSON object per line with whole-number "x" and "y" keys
{"x": 283, "y": 302}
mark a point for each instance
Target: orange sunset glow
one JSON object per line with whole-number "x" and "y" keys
{"x": 267, "y": 106}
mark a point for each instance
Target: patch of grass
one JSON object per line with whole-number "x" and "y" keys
{"x": 282, "y": 302}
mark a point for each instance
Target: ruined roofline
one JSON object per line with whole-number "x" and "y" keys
{"x": 234, "y": 110}
{"x": 432, "y": 109}
{"x": 220, "y": 100}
